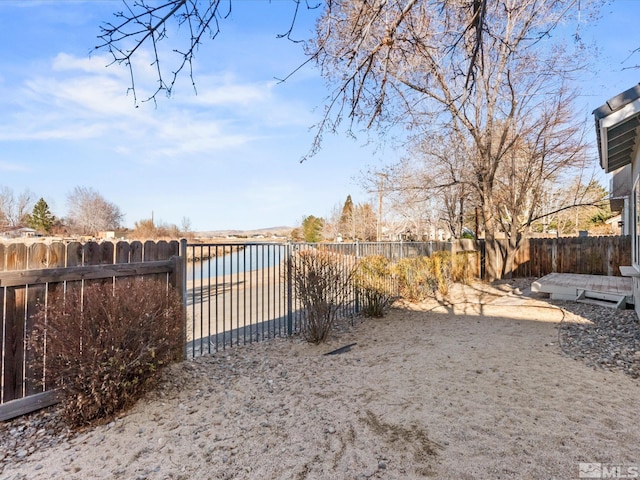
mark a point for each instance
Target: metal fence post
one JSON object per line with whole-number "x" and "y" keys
{"x": 289, "y": 291}
{"x": 183, "y": 290}
{"x": 357, "y": 297}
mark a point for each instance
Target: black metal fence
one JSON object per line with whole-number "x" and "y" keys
{"x": 242, "y": 293}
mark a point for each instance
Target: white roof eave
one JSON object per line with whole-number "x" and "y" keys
{"x": 611, "y": 121}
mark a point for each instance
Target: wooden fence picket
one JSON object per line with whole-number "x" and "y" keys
{"x": 29, "y": 274}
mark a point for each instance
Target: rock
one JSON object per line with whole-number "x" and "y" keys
{"x": 601, "y": 337}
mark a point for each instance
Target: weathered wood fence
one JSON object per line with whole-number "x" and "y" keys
{"x": 538, "y": 257}
{"x": 29, "y": 272}
{"x": 589, "y": 255}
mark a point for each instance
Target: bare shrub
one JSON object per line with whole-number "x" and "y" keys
{"x": 415, "y": 281}
{"x": 374, "y": 279}
{"x": 322, "y": 284}
{"x": 441, "y": 270}
{"x": 461, "y": 269}
{"x": 103, "y": 346}
{"x": 421, "y": 277}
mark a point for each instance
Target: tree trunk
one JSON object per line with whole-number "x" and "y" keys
{"x": 508, "y": 259}
{"x": 492, "y": 252}
{"x": 491, "y": 255}
{"x": 509, "y": 255}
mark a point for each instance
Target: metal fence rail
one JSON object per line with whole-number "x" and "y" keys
{"x": 394, "y": 251}
{"x": 242, "y": 293}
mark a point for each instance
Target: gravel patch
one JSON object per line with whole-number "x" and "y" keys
{"x": 22, "y": 436}
{"x": 601, "y": 337}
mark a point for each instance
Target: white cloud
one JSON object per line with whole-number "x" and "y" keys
{"x": 80, "y": 99}
{"x": 13, "y": 167}
{"x": 96, "y": 64}
{"x": 228, "y": 91}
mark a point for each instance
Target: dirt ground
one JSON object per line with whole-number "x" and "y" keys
{"x": 470, "y": 389}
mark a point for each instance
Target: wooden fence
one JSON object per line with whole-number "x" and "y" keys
{"x": 28, "y": 272}
{"x": 589, "y": 255}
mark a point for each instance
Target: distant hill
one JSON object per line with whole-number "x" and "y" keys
{"x": 267, "y": 232}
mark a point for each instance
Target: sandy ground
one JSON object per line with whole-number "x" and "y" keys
{"x": 476, "y": 389}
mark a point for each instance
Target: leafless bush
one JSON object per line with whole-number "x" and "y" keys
{"x": 421, "y": 277}
{"x": 461, "y": 270}
{"x": 374, "y": 280}
{"x": 322, "y": 284}
{"x": 104, "y": 346}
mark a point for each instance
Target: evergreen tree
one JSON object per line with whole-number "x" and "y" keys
{"x": 312, "y": 229}
{"x": 41, "y": 218}
{"x": 346, "y": 226}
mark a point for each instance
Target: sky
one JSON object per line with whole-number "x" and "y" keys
{"x": 227, "y": 157}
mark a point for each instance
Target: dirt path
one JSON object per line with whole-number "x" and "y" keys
{"x": 475, "y": 389}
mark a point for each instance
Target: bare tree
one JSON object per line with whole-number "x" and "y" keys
{"x": 145, "y": 23}
{"x": 588, "y": 198}
{"x": 410, "y": 63}
{"x": 488, "y": 73}
{"x": 14, "y": 210}
{"x": 89, "y": 212}
{"x": 365, "y": 221}
{"x": 447, "y": 167}
{"x": 332, "y": 225}
{"x": 427, "y": 190}
{"x": 185, "y": 225}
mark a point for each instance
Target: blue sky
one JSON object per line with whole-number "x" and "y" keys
{"x": 225, "y": 158}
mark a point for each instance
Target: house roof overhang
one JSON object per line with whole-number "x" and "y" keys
{"x": 617, "y": 129}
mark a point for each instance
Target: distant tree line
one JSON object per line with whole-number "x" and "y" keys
{"x": 413, "y": 214}
{"x": 88, "y": 214}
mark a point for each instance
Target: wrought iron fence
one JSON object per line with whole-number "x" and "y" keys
{"x": 242, "y": 293}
